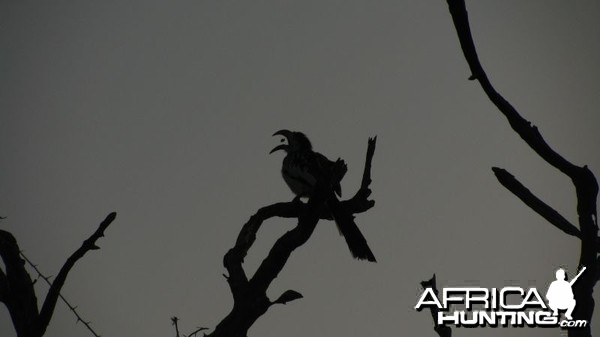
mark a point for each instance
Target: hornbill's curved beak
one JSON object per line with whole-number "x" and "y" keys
{"x": 286, "y": 134}
{"x": 279, "y": 147}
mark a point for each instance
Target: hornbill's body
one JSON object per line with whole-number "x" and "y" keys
{"x": 303, "y": 168}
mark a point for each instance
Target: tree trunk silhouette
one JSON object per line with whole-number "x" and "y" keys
{"x": 250, "y": 300}
{"x": 16, "y": 286}
{"x": 586, "y": 185}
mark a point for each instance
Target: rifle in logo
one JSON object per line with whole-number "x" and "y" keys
{"x": 560, "y": 294}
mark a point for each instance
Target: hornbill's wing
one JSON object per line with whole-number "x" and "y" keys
{"x": 331, "y": 171}
{"x": 300, "y": 172}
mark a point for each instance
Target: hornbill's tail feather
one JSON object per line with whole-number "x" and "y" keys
{"x": 348, "y": 228}
{"x": 338, "y": 172}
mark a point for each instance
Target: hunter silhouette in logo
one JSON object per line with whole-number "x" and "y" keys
{"x": 560, "y": 295}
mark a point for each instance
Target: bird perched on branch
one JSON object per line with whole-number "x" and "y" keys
{"x": 303, "y": 168}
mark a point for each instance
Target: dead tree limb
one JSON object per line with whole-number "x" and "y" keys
{"x": 586, "y": 185}
{"x": 71, "y": 307}
{"x": 16, "y": 286}
{"x": 250, "y": 300}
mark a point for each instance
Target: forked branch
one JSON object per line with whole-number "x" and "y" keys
{"x": 586, "y": 185}
{"x": 21, "y": 300}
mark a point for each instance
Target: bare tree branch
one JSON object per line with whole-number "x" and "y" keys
{"x": 195, "y": 332}
{"x": 250, "y": 299}
{"x": 21, "y": 300}
{"x": 71, "y": 307}
{"x": 174, "y": 322}
{"x": 54, "y": 292}
{"x": 512, "y": 184}
{"x": 586, "y": 185}
{"x": 3, "y": 286}
{"x": 442, "y": 330}
{"x": 523, "y": 127}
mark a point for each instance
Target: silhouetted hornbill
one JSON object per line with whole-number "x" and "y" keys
{"x": 302, "y": 168}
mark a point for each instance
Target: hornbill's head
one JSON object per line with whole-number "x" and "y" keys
{"x": 296, "y": 141}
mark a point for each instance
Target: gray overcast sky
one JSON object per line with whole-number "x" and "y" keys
{"x": 163, "y": 111}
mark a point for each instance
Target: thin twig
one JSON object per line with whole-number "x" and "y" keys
{"x": 195, "y": 332}
{"x": 174, "y": 321}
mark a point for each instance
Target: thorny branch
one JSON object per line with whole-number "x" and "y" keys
{"x": 21, "y": 300}
{"x": 69, "y": 305}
